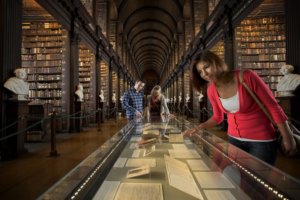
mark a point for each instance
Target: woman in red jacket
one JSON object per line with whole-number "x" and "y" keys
{"x": 248, "y": 126}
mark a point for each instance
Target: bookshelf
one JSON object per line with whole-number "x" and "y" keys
{"x": 186, "y": 85}
{"x": 114, "y": 84}
{"x": 104, "y": 79}
{"x": 218, "y": 49}
{"x": 86, "y": 62}
{"x": 43, "y": 58}
{"x": 261, "y": 47}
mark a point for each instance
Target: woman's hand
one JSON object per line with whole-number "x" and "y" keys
{"x": 138, "y": 114}
{"x": 288, "y": 142}
{"x": 189, "y": 132}
{"x": 171, "y": 116}
{"x": 289, "y": 145}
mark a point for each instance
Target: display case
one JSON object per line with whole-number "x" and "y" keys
{"x": 153, "y": 160}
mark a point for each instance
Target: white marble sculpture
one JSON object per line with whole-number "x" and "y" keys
{"x": 171, "y": 100}
{"x": 174, "y": 99}
{"x": 101, "y": 96}
{"x": 200, "y": 96}
{"x": 187, "y": 98}
{"x": 17, "y": 85}
{"x": 167, "y": 100}
{"x": 179, "y": 98}
{"x": 289, "y": 81}
{"x": 114, "y": 98}
{"x": 79, "y": 92}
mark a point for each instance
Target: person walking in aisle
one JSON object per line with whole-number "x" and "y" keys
{"x": 133, "y": 101}
{"x": 248, "y": 126}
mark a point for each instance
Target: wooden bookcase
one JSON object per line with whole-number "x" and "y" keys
{"x": 43, "y": 58}
{"x": 260, "y": 44}
{"x": 104, "y": 79}
{"x": 86, "y": 62}
{"x": 219, "y": 49}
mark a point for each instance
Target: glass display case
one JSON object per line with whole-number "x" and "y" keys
{"x": 151, "y": 159}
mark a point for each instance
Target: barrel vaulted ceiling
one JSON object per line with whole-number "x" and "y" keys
{"x": 149, "y": 29}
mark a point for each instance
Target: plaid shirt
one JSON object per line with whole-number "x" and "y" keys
{"x": 132, "y": 102}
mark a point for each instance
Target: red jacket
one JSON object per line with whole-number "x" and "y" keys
{"x": 250, "y": 121}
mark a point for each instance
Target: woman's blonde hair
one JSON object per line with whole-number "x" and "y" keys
{"x": 156, "y": 91}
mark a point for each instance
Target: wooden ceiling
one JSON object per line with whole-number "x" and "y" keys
{"x": 150, "y": 28}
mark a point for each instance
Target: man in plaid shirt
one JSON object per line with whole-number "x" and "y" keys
{"x": 133, "y": 101}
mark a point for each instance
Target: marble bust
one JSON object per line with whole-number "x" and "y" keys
{"x": 101, "y": 96}
{"x": 114, "y": 98}
{"x": 200, "y": 96}
{"x": 179, "y": 98}
{"x": 79, "y": 92}
{"x": 17, "y": 85}
{"x": 288, "y": 82}
{"x": 187, "y": 98}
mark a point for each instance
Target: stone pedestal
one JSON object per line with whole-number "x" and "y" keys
{"x": 78, "y": 111}
{"x": 101, "y": 112}
{"x": 17, "y": 112}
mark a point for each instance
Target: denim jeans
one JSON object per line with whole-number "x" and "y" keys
{"x": 265, "y": 151}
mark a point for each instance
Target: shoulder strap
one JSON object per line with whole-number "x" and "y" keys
{"x": 261, "y": 105}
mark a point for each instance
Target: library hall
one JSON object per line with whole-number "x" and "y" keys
{"x": 150, "y": 99}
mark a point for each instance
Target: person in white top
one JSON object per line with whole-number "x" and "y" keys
{"x": 79, "y": 92}
{"x": 17, "y": 85}
{"x": 289, "y": 81}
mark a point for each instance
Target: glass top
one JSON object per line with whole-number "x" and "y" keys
{"x": 151, "y": 159}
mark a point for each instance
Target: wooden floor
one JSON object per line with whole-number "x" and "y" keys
{"x": 33, "y": 173}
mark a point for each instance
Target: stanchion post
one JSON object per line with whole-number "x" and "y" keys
{"x": 115, "y": 110}
{"x": 53, "y": 152}
{"x": 99, "y": 118}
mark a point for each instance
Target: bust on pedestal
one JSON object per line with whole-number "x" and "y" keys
{"x": 79, "y": 93}
{"x": 187, "y": 99}
{"x": 202, "y": 115}
{"x": 18, "y": 86}
{"x": 16, "y": 107}
{"x": 79, "y": 106}
{"x": 101, "y": 105}
{"x": 289, "y": 82}
{"x": 101, "y": 96}
{"x": 114, "y": 98}
{"x": 200, "y": 97}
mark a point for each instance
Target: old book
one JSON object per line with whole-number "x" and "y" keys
{"x": 139, "y": 171}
